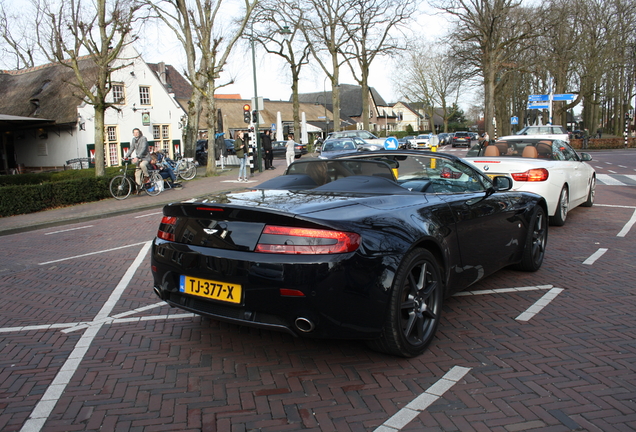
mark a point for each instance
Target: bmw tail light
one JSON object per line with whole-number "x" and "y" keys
{"x": 166, "y": 228}
{"x": 306, "y": 241}
{"x": 533, "y": 175}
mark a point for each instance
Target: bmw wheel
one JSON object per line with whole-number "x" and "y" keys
{"x": 591, "y": 194}
{"x": 561, "y": 213}
{"x": 415, "y": 306}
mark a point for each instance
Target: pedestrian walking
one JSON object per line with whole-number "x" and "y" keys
{"x": 291, "y": 152}
{"x": 240, "y": 148}
{"x": 266, "y": 142}
{"x": 599, "y": 132}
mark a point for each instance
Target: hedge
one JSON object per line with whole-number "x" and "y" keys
{"x": 33, "y": 192}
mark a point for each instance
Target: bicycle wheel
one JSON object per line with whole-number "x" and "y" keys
{"x": 120, "y": 187}
{"x": 155, "y": 185}
{"x": 188, "y": 170}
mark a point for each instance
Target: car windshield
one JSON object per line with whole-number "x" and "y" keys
{"x": 530, "y": 148}
{"x": 542, "y": 130}
{"x": 338, "y": 145}
{"x": 384, "y": 173}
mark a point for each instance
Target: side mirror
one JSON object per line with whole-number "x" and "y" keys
{"x": 585, "y": 157}
{"x": 502, "y": 183}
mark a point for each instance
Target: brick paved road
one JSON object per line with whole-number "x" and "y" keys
{"x": 569, "y": 367}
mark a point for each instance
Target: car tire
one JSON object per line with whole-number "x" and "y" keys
{"x": 563, "y": 204}
{"x": 415, "y": 306}
{"x": 591, "y": 194}
{"x": 536, "y": 240}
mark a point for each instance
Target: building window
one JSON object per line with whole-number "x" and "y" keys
{"x": 144, "y": 95}
{"x": 112, "y": 146}
{"x": 161, "y": 136}
{"x": 118, "y": 94}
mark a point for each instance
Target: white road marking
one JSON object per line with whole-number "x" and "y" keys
{"x": 92, "y": 253}
{"x": 45, "y": 406}
{"x": 613, "y": 172}
{"x": 67, "y": 230}
{"x": 149, "y": 214}
{"x": 503, "y": 290}
{"x": 628, "y": 226}
{"x": 608, "y": 180}
{"x": 539, "y": 305}
{"x": 596, "y": 255}
{"x": 404, "y": 416}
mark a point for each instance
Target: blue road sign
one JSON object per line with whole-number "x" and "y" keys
{"x": 538, "y": 98}
{"x": 514, "y": 120}
{"x": 273, "y": 127}
{"x": 538, "y": 105}
{"x": 564, "y": 97}
{"x": 391, "y": 143}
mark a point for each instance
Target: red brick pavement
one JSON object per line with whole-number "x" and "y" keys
{"x": 572, "y": 367}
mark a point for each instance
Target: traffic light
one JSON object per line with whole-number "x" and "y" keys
{"x": 255, "y": 116}
{"x": 246, "y": 113}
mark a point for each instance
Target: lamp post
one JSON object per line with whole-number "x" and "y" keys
{"x": 259, "y": 155}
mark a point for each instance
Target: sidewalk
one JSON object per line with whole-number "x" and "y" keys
{"x": 225, "y": 181}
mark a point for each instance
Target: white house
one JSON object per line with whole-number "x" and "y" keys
{"x": 59, "y": 127}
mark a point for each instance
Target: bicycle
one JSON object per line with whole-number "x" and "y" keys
{"x": 182, "y": 167}
{"x": 122, "y": 185}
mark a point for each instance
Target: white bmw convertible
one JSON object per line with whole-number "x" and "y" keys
{"x": 548, "y": 167}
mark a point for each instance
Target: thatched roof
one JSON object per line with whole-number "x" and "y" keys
{"x": 43, "y": 92}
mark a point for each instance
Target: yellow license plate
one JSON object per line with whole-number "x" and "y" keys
{"x": 211, "y": 289}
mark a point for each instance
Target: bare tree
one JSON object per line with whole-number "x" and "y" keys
{"x": 324, "y": 28}
{"x": 20, "y": 46}
{"x": 97, "y": 30}
{"x": 279, "y": 33}
{"x": 435, "y": 80}
{"x": 207, "y": 45}
{"x": 370, "y": 29}
{"x": 490, "y": 34}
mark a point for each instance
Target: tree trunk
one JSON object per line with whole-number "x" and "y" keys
{"x": 99, "y": 141}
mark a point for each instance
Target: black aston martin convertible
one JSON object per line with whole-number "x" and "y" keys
{"x": 362, "y": 246}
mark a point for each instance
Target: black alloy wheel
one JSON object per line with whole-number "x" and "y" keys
{"x": 415, "y": 306}
{"x": 536, "y": 241}
{"x": 591, "y": 194}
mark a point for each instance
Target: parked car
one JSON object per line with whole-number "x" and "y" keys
{"x": 407, "y": 141}
{"x": 461, "y": 139}
{"x": 548, "y": 167}
{"x": 421, "y": 142}
{"x": 332, "y": 147}
{"x": 279, "y": 150}
{"x": 547, "y": 131}
{"x": 474, "y": 136}
{"x": 365, "y": 135}
{"x": 444, "y": 138}
{"x": 363, "y": 246}
{"x": 201, "y": 150}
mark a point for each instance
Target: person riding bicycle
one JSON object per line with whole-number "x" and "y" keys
{"x": 140, "y": 155}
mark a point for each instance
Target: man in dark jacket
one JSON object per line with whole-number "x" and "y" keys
{"x": 266, "y": 142}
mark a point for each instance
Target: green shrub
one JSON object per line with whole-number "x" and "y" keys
{"x": 35, "y": 192}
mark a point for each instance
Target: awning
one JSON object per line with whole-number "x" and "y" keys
{"x": 10, "y": 122}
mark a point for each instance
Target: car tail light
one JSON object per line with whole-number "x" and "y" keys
{"x": 166, "y": 228}
{"x": 306, "y": 241}
{"x": 533, "y": 175}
